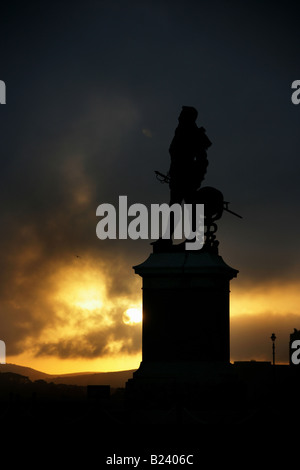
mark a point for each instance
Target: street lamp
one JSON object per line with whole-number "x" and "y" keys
{"x": 273, "y": 337}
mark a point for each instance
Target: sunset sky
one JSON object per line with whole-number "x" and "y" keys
{"x": 94, "y": 90}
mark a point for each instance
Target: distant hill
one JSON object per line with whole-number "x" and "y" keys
{"x": 32, "y": 374}
{"x": 114, "y": 379}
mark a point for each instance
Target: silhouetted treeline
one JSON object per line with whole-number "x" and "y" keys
{"x": 17, "y": 387}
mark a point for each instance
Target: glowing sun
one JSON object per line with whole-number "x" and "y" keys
{"x": 132, "y": 315}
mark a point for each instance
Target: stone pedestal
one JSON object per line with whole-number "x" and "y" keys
{"x": 185, "y": 335}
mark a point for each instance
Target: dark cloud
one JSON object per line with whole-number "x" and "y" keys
{"x": 105, "y": 341}
{"x": 87, "y": 86}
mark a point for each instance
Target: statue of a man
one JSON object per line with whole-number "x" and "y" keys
{"x": 188, "y": 157}
{"x": 188, "y": 151}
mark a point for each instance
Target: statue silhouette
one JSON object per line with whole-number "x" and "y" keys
{"x": 188, "y": 151}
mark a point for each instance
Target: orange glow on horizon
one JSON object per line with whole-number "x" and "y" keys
{"x": 267, "y": 298}
{"x": 57, "y": 366}
{"x": 83, "y": 305}
{"x": 79, "y": 297}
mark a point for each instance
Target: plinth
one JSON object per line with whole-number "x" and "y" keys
{"x": 186, "y": 324}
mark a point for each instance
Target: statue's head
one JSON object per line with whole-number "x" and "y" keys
{"x": 188, "y": 114}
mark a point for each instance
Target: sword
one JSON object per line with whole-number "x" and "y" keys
{"x": 166, "y": 179}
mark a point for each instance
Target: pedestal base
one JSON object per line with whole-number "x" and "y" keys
{"x": 186, "y": 384}
{"x": 185, "y": 307}
{"x": 185, "y": 329}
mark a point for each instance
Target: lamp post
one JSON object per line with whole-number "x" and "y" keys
{"x": 273, "y": 337}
